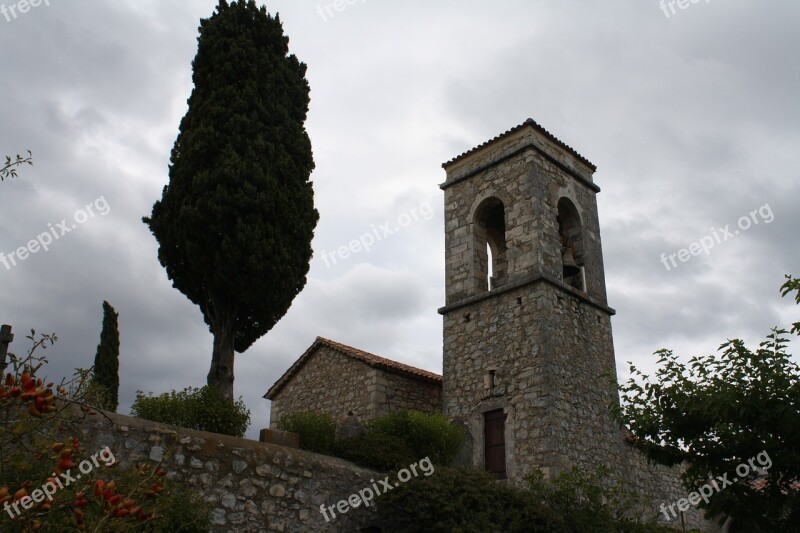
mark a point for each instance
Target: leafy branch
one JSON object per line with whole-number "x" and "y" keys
{"x": 10, "y": 167}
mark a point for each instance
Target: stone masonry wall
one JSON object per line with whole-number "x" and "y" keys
{"x": 328, "y": 382}
{"x": 397, "y": 392}
{"x": 555, "y": 391}
{"x": 662, "y": 486}
{"x": 252, "y": 487}
{"x": 256, "y": 487}
{"x": 349, "y": 389}
{"x": 552, "y": 376}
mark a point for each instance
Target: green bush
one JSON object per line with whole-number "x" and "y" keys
{"x": 184, "y": 511}
{"x": 376, "y": 450}
{"x": 425, "y": 434}
{"x": 391, "y": 442}
{"x": 470, "y": 501}
{"x": 204, "y": 409}
{"x": 317, "y": 430}
{"x": 398, "y": 439}
{"x": 465, "y": 501}
{"x": 587, "y": 504}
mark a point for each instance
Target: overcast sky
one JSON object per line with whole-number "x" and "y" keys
{"x": 692, "y": 120}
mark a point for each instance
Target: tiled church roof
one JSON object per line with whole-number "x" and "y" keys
{"x": 372, "y": 360}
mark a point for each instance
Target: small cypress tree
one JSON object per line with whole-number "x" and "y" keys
{"x": 106, "y": 362}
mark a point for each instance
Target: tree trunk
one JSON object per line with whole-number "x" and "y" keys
{"x": 221, "y": 373}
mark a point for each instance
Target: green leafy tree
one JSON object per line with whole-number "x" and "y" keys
{"x": 792, "y": 284}
{"x": 718, "y": 412}
{"x": 9, "y": 168}
{"x": 106, "y": 361}
{"x": 235, "y": 222}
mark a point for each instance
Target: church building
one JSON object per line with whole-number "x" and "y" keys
{"x": 528, "y": 355}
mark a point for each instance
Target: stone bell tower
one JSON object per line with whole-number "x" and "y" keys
{"x": 528, "y": 354}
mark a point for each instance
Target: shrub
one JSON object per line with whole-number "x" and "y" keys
{"x": 594, "y": 502}
{"x": 376, "y": 450}
{"x": 317, "y": 430}
{"x": 470, "y": 501}
{"x": 465, "y": 501}
{"x": 39, "y": 438}
{"x": 97, "y": 395}
{"x": 184, "y": 511}
{"x": 204, "y": 409}
{"x": 424, "y": 434}
{"x": 398, "y": 439}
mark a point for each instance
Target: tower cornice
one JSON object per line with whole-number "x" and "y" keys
{"x": 528, "y": 135}
{"x": 538, "y": 277}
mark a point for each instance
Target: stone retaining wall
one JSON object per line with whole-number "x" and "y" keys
{"x": 252, "y": 486}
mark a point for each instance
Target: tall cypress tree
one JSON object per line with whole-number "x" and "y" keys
{"x": 235, "y": 223}
{"x": 106, "y": 361}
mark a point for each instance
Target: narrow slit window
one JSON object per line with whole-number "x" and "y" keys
{"x": 490, "y": 265}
